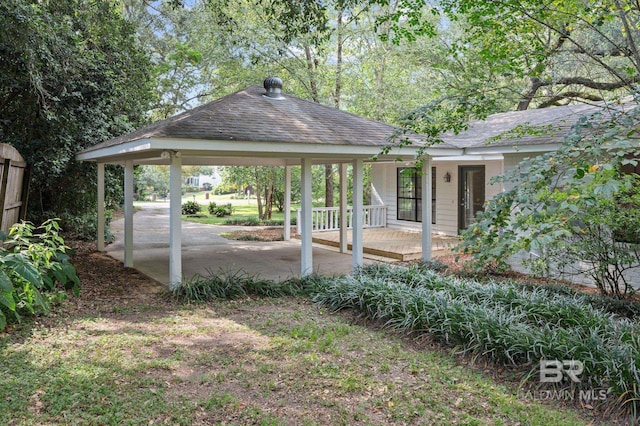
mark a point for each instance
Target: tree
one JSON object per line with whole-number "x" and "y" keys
{"x": 152, "y": 179}
{"x": 563, "y": 51}
{"x": 263, "y": 179}
{"x": 71, "y": 75}
{"x": 576, "y": 209}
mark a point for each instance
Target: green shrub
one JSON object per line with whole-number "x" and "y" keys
{"x": 84, "y": 227}
{"x": 232, "y": 285}
{"x": 511, "y": 324}
{"x": 220, "y": 211}
{"x": 244, "y": 221}
{"x": 191, "y": 207}
{"x": 33, "y": 262}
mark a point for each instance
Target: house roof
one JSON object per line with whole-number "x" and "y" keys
{"x": 525, "y": 130}
{"x": 247, "y": 122}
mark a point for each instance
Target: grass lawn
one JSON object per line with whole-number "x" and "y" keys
{"x": 123, "y": 353}
{"x": 243, "y": 210}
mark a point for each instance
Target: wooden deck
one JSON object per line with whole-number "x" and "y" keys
{"x": 390, "y": 243}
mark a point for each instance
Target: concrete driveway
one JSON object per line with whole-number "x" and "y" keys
{"x": 204, "y": 251}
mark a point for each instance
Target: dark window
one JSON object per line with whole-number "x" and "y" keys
{"x": 410, "y": 195}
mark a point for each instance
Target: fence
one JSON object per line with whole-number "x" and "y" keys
{"x": 328, "y": 218}
{"x": 14, "y": 186}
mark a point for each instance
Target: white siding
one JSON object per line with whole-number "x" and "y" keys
{"x": 384, "y": 183}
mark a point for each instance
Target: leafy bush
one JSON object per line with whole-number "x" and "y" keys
{"x": 220, "y": 211}
{"x": 191, "y": 207}
{"x": 573, "y": 211}
{"x": 33, "y": 262}
{"x": 511, "y": 324}
{"x": 84, "y": 227}
{"x": 232, "y": 285}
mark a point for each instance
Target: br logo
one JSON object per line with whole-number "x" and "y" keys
{"x": 553, "y": 371}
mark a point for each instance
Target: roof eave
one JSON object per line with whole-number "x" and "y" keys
{"x": 512, "y": 149}
{"x": 151, "y": 150}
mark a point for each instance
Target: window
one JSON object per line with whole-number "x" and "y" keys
{"x": 410, "y": 194}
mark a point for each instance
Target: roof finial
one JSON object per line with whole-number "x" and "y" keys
{"x": 273, "y": 85}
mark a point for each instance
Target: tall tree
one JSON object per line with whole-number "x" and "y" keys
{"x": 71, "y": 75}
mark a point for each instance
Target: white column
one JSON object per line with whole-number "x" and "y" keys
{"x": 128, "y": 214}
{"x": 426, "y": 208}
{"x": 356, "y": 243}
{"x": 307, "y": 204}
{"x": 100, "y": 206}
{"x": 175, "y": 221}
{"x": 344, "y": 243}
{"x": 287, "y": 203}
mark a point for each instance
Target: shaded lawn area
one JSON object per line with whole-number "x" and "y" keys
{"x": 123, "y": 353}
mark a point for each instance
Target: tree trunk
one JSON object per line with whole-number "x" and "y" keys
{"x": 528, "y": 96}
{"x": 328, "y": 187}
{"x": 258, "y": 193}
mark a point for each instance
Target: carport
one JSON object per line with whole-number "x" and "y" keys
{"x": 262, "y": 126}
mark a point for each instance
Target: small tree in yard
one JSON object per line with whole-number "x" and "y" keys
{"x": 577, "y": 210}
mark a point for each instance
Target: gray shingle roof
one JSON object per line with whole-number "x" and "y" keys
{"x": 547, "y": 126}
{"x": 248, "y": 116}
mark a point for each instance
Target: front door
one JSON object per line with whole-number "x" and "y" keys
{"x": 471, "y": 193}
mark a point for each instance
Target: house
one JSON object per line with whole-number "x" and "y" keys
{"x": 257, "y": 126}
{"x": 460, "y": 184}
{"x": 205, "y": 182}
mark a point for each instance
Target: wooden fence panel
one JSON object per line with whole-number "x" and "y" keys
{"x": 14, "y": 175}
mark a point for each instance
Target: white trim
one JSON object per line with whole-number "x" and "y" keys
{"x": 175, "y": 221}
{"x": 470, "y": 157}
{"x": 101, "y": 219}
{"x": 515, "y": 148}
{"x": 356, "y": 240}
{"x": 306, "y": 255}
{"x": 344, "y": 244}
{"x": 426, "y": 208}
{"x": 201, "y": 147}
{"x": 287, "y": 203}
{"x": 128, "y": 214}
{"x": 115, "y": 150}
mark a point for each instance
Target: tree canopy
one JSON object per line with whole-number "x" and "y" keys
{"x": 71, "y": 75}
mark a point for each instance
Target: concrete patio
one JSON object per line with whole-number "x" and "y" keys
{"x": 204, "y": 251}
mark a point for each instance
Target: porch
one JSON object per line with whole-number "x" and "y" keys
{"x": 378, "y": 240}
{"x": 389, "y": 243}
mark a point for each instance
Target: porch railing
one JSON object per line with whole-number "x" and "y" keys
{"x": 328, "y": 218}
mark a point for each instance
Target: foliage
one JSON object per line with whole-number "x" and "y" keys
{"x": 220, "y": 211}
{"x": 575, "y": 209}
{"x": 505, "y": 322}
{"x": 232, "y": 285}
{"x": 71, "y": 75}
{"x": 244, "y": 221}
{"x": 33, "y": 262}
{"x": 151, "y": 180}
{"x": 191, "y": 208}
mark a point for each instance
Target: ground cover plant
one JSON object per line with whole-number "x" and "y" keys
{"x": 508, "y": 323}
{"x": 35, "y": 271}
{"x": 124, "y": 353}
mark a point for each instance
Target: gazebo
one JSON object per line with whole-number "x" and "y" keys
{"x": 262, "y": 126}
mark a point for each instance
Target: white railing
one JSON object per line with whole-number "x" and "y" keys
{"x": 328, "y": 218}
